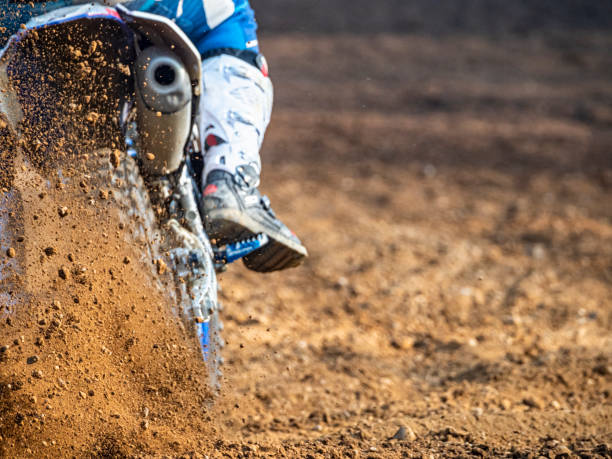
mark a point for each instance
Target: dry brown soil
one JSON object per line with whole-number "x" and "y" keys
{"x": 455, "y": 192}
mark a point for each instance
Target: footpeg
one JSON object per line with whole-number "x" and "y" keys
{"x": 237, "y": 250}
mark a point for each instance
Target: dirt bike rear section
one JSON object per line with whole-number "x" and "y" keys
{"x": 123, "y": 80}
{"x": 95, "y": 357}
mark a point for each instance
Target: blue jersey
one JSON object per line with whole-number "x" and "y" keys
{"x": 210, "y": 24}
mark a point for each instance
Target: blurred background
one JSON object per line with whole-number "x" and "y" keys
{"x": 449, "y": 166}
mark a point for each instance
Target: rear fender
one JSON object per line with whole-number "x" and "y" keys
{"x": 66, "y": 77}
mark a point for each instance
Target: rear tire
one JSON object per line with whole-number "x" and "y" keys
{"x": 134, "y": 199}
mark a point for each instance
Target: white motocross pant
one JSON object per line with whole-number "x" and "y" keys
{"x": 235, "y": 110}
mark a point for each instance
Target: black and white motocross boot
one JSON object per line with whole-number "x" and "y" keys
{"x": 234, "y": 210}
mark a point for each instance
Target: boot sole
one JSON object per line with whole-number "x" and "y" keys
{"x": 228, "y": 225}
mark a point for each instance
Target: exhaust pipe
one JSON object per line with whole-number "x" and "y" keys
{"x": 163, "y": 101}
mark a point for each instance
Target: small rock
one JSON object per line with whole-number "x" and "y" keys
{"x": 342, "y": 282}
{"x": 126, "y": 261}
{"x": 555, "y": 404}
{"x": 538, "y": 251}
{"x": 400, "y": 434}
{"x": 449, "y": 431}
{"x": 506, "y": 404}
{"x": 508, "y": 320}
{"x": 92, "y": 117}
{"x": 103, "y": 195}
{"x": 32, "y": 359}
{"x": 63, "y": 272}
{"x": 404, "y": 433}
{"x": 4, "y": 348}
{"x": 10, "y": 252}
{"x": 532, "y": 402}
{"x": 82, "y": 394}
{"x": 62, "y": 211}
{"x": 603, "y": 370}
{"x": 161, "y": 266}
{"x": 562, "y": 451}
{"x": 91, "y": 392}
{"x": 477, "y": 411}
{"x": 144, "y": 424}
{"x": 150, "y": 156}
{"x": 403, "y": 343}
{"x": 56, "y": 305}
{"x": 476, "y": 451}
{"x": 37, "y": 374}
{"x": 115, "y": 155}
{"x": 49, "y": 251}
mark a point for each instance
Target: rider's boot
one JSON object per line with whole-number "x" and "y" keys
{"x": 235, "y": 110}
{"x": 234, "y": 210}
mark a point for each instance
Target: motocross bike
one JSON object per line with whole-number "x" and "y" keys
{"x": 131, "y": 82}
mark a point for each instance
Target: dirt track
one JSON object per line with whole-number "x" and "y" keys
{"x": 455, "y": 193}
